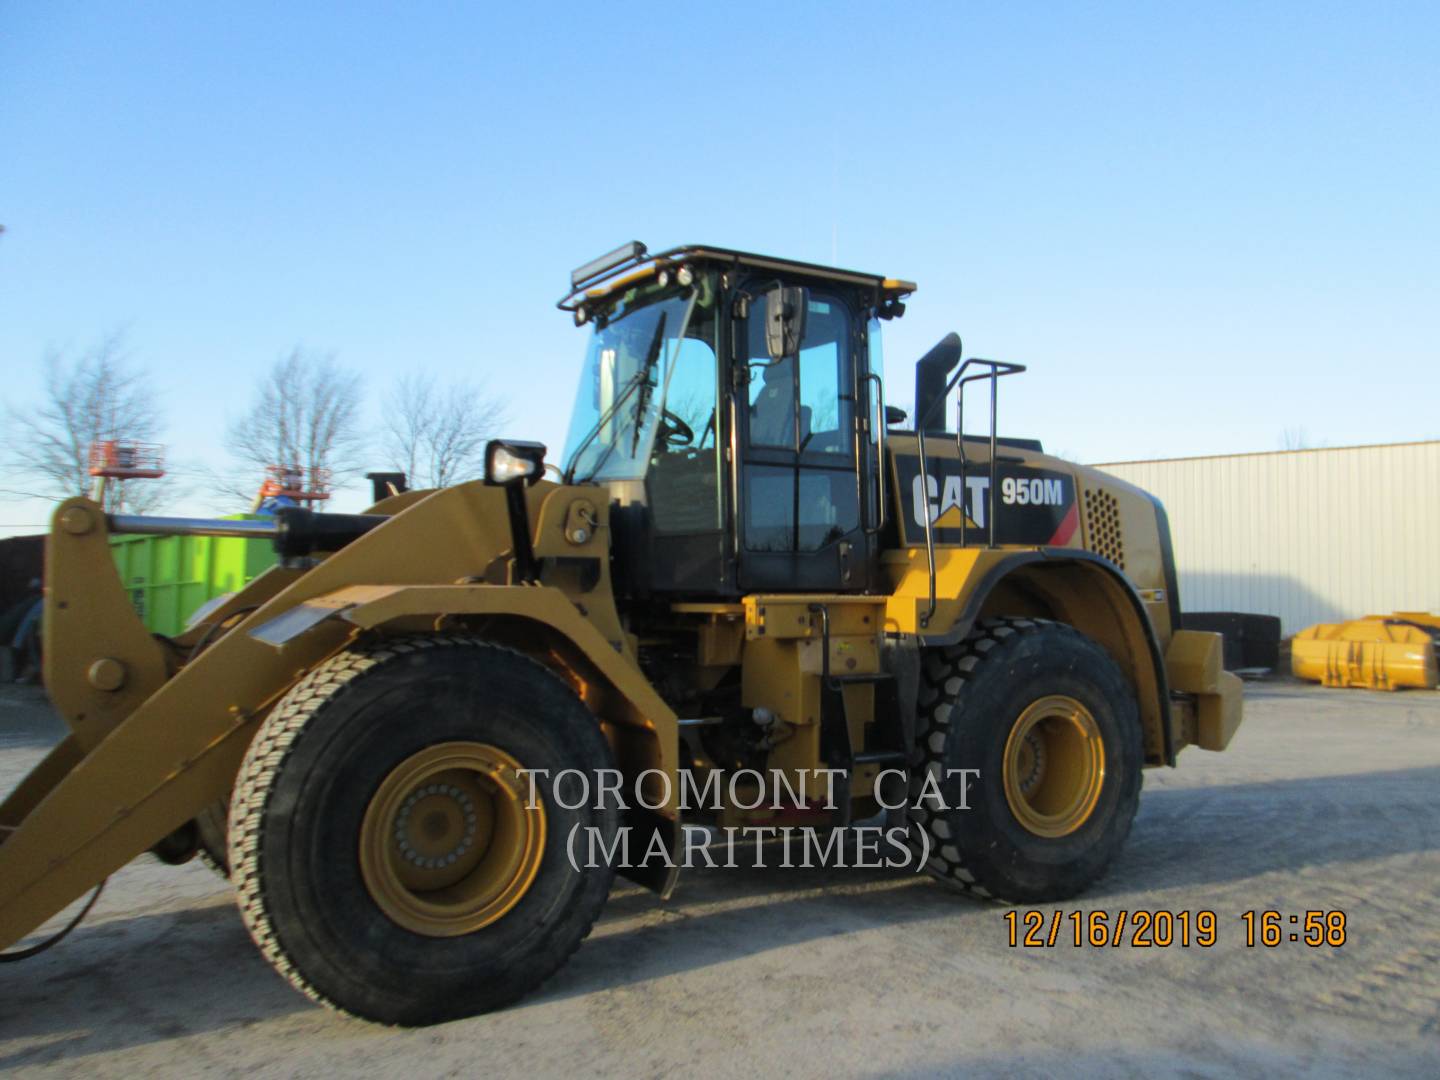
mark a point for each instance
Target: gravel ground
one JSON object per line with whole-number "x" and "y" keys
{"x": 1327, "y": 800}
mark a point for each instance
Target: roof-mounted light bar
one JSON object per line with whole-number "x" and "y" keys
{"x": 627, "y": 253}
{"x": 596, "y": 279}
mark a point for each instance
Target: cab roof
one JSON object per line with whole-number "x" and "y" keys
{"x": 634, "y": 262}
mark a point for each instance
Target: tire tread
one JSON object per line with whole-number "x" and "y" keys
{"x": 277, "y": 738}
{"x": 945, "y": 673}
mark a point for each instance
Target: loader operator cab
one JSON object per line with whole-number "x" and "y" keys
{"x": 727, "y": 402}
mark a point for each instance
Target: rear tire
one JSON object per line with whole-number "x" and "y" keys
{"x": 1051, "y": 724}
{"x": 344, "y": 907}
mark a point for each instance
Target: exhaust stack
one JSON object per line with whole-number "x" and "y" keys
{"x": 931, "y": 372}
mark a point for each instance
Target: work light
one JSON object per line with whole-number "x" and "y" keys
{"x": 508, "y": 461}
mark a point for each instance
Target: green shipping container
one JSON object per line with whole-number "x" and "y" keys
{"x": 169, "y": 577}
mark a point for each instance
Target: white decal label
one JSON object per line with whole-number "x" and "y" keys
{"x": 1020, "y": 491}
{"x": 931, "y": 500}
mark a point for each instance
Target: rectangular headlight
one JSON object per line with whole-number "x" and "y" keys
{"x": 509, "y": 460}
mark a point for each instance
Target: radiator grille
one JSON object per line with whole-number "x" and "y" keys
{"x": 1102, "y": 526}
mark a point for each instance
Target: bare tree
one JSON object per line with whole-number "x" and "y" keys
{"x": 436, "y": 434}
{"x": 306, "y": 412}
{"x": 1294, "y": 439}
{"x": 97, "y": 396}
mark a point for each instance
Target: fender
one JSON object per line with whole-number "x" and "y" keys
{"x": 544, "y": 622}
{"x": 539, "y": 620}
{"x": 1076, "y": 587}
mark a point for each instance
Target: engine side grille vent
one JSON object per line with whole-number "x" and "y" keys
{"x": 1102, "y": 526}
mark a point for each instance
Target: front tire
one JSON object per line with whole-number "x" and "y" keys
{"x": 388, "y": 860}
{"x": 212, "y": 825}
{"x": 1051, "y": 724}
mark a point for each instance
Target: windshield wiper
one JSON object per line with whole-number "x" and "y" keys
{"x": 605, "y": 418}
{"x": 647, "y": 385}
{"x": 641, "y": 380}
{"x": 641, "y": 377}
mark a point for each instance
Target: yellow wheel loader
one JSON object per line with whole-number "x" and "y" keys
{"x": 749, "y": 579}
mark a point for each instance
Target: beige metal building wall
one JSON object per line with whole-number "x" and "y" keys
{"x": 1309, "y": 535}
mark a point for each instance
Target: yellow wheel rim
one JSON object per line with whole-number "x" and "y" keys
{"x": 448, "y": 844}
{"x": 1054, "y": 766}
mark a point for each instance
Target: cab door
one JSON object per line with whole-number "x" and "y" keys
{"x": 801, "y": 479}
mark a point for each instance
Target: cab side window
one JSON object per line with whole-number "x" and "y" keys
{"x": 799, "y": 489}
{"x": 807, "y": 407}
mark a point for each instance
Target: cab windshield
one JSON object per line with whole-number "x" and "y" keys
{"x": 624, "y": 383}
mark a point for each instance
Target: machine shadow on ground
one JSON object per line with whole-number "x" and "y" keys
{"x": 1208, "y": 836}
{"x": 137, "y": 980}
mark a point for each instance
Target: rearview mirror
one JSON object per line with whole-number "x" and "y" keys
{"x": 785, "y": 310}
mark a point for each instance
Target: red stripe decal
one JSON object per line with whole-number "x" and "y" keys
{"x": 1067, "y": 527}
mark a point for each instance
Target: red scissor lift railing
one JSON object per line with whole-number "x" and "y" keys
{"x": 296, "y": 482}
{"x": 118, "y": 460}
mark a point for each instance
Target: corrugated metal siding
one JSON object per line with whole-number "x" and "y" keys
{"x": 1309, "y": 535}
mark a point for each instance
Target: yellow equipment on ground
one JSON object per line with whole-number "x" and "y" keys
{"x": 749, "y": 598}
{"x": 1378, "y": 652}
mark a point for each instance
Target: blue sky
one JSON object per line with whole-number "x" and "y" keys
{"x": 1200, "y": 225}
